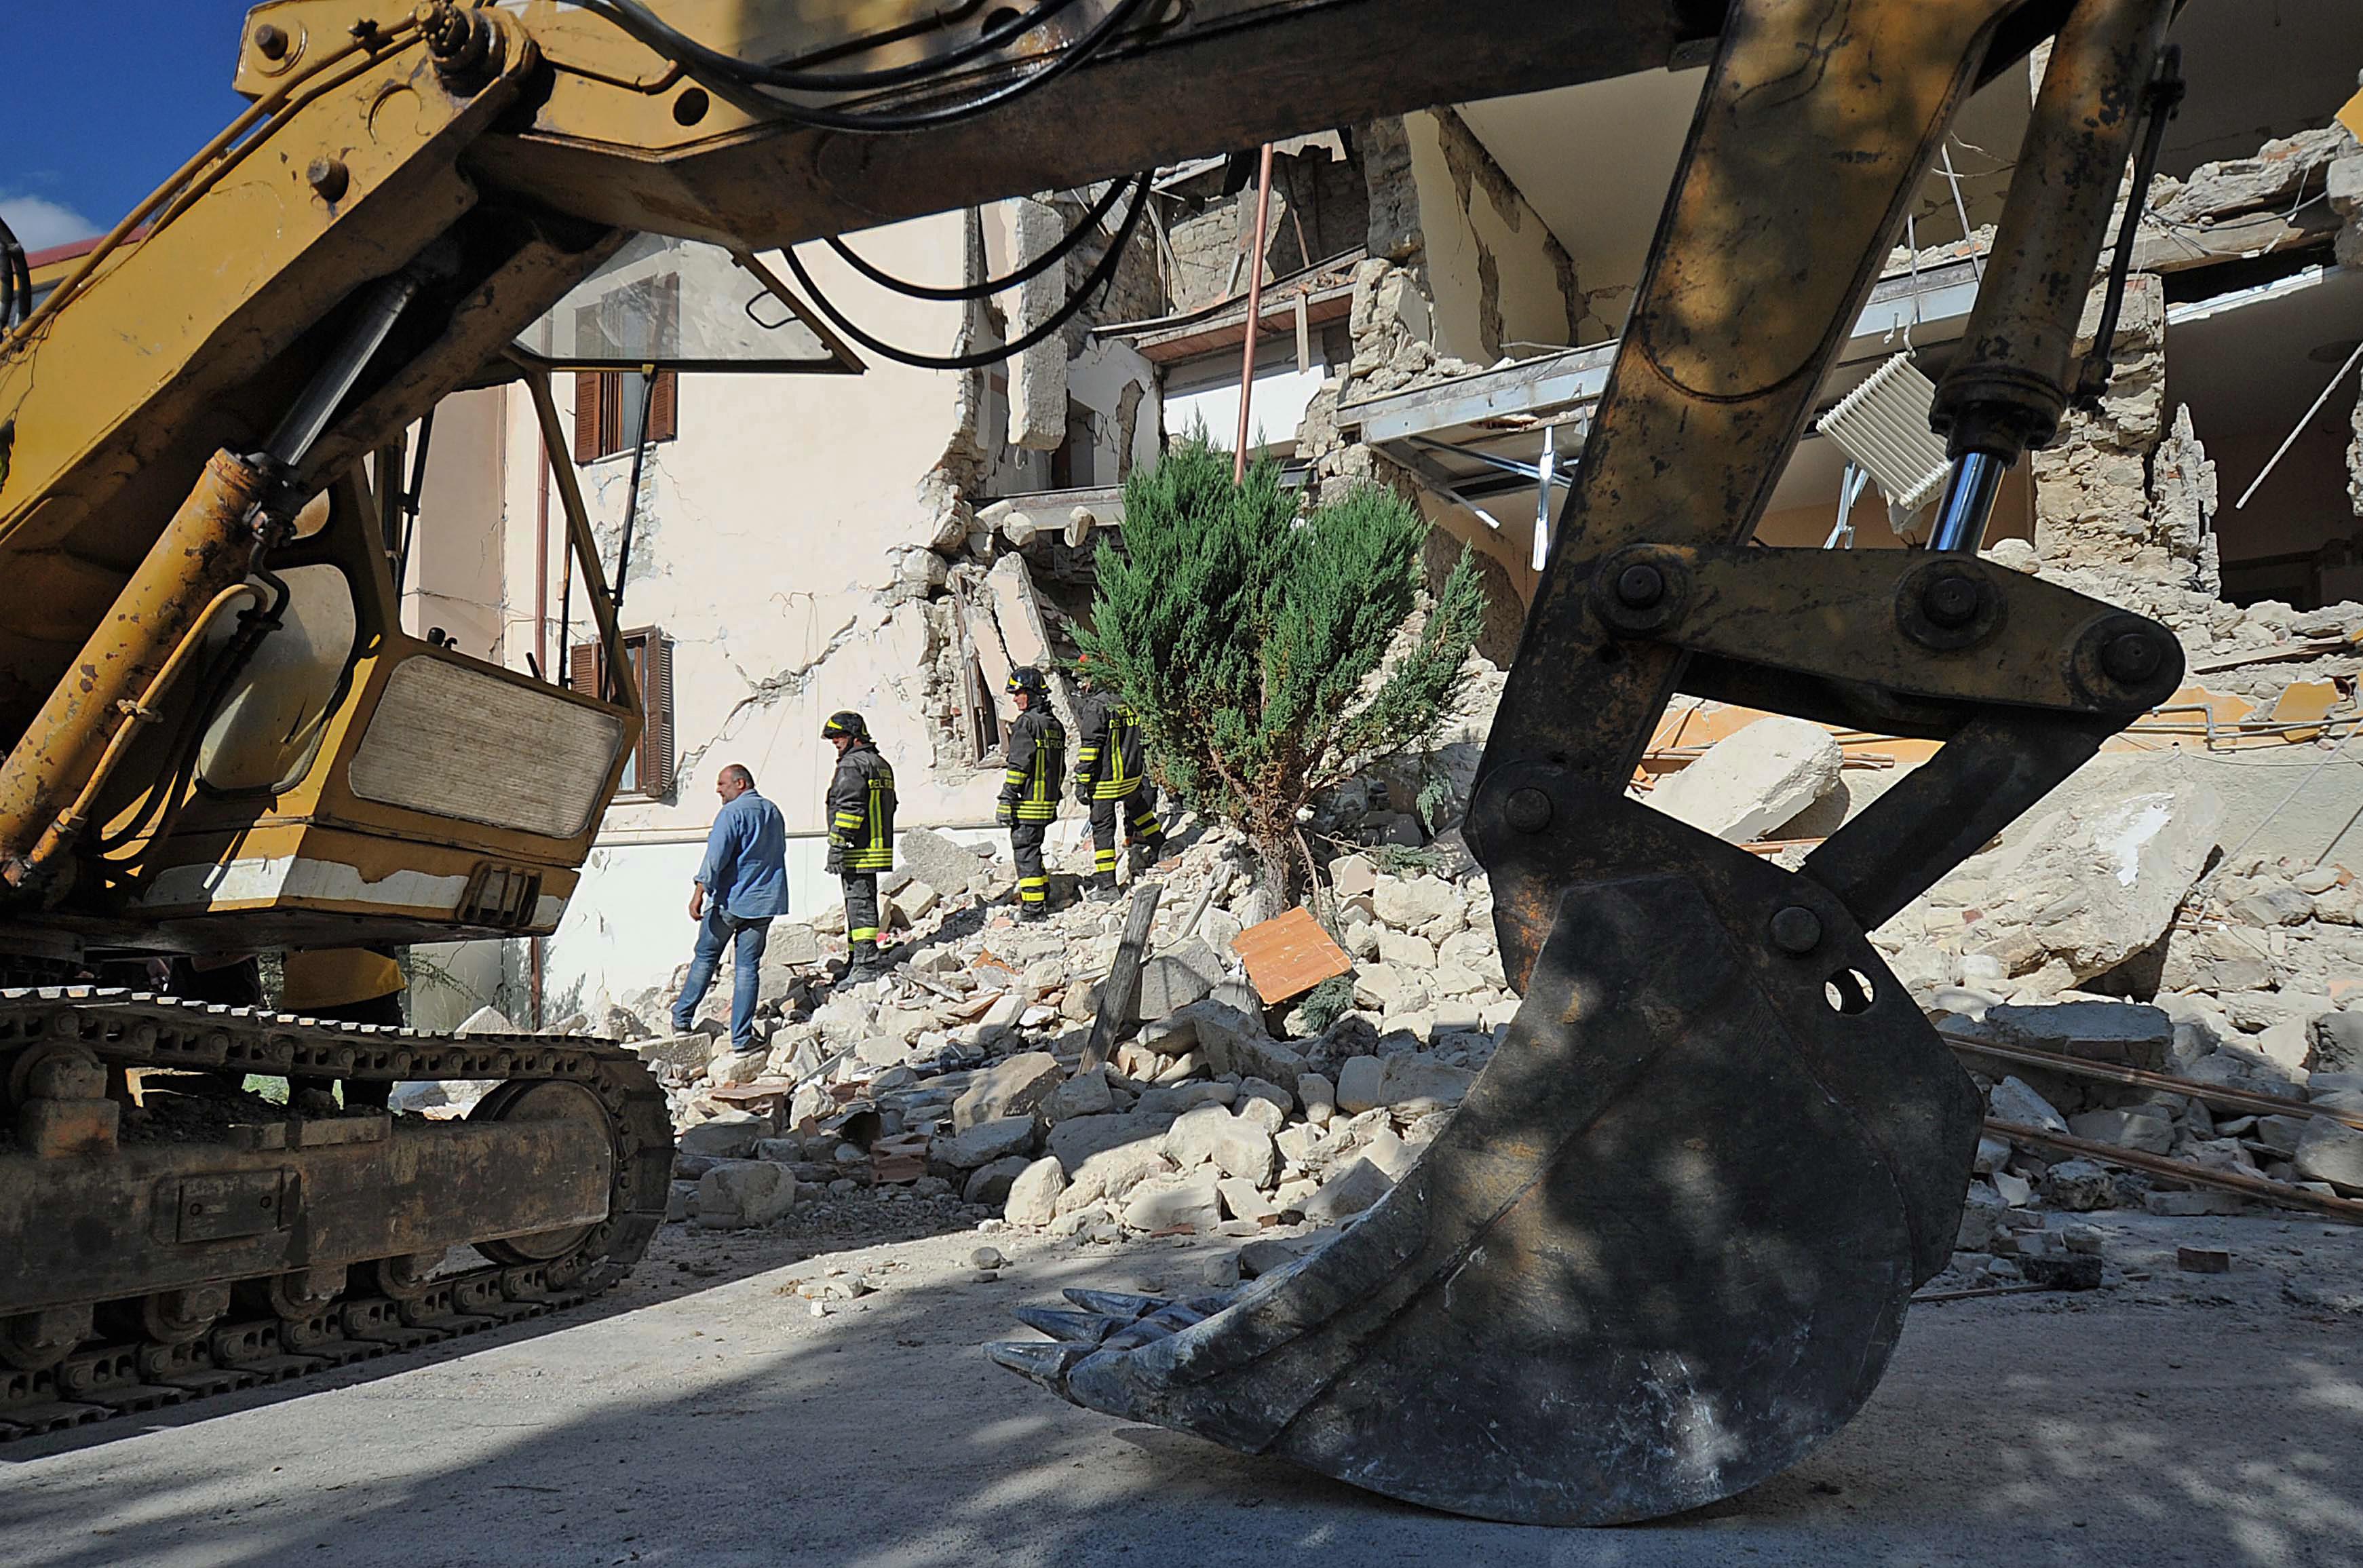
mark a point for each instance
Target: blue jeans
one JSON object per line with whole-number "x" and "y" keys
{"x": 717, "y": 930}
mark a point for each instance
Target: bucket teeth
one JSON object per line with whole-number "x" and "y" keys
{"x": 1156, "y": 1326}
{"x": 1069, "y": 1327}
{"x": 1115, "y": 1304}
{"x": 1047, "y": 1364}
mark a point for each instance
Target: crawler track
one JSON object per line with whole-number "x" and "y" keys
{"x": 267, "y": 1334}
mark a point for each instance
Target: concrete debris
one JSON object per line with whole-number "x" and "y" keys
{"x": 1748, "y": 784}
{"x": 739, "y": 1193}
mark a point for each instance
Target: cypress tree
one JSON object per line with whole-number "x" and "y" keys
{"x": 1242, "y": 636}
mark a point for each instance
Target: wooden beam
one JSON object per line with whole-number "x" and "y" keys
{"x": 1120, "y": 992}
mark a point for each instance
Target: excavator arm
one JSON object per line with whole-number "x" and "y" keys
{"x": 1664, "y": 1250}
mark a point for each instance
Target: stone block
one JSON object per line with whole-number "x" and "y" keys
{"x": 1348, "y": 1193}
{"x": 732, "y": 1135}
{"x": 2013, "y": 1102}
{"x": 1408, "y": 903}
{"x": 1016, "y": 1087}
{"x": 1981, "y": 1218}
{"x": 1748, "y": 784}
{"x": 2338, "y": 1043}
{"x": 2125, "y": 1033}
{"x": 1237, "y": 1145}
{"x": 1353, "y": 875}
{"x": 1403, "y": 949}
{"x": 990, "y": 1184}
{"x": 739, "y": 1193}
{"x": 1033, "y": 1196}
{"x": 2332, "y": 1152}
{"x": 1361, "y": 1084}
{"x": 985, "y": 1142}
{"x": 2080, "y": 1184}
{"x": 1318, "y": 1095}
{"x": 941, "y": 862}
{"x": 2127, "y": 1128}
{"x": 789, "y": 943}
{"x": 1173, "y": 981}
{"x": 1085, "y": 1094}
{"x": 1072, "y": 1142}
{"x": 1168, "y": 1204}
{"x": 1243, "y": 1200}
{"x": 683, "y": 1054}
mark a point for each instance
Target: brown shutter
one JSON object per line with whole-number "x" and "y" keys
{"x": 656, "y": 708}
{"x": 587, "y": 387}
{"x": 664, "y": 407}
{"x": 582, "y": 669}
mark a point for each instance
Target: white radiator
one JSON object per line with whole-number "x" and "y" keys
{"x": 1882, "y": 428}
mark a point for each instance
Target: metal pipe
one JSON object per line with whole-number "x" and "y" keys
{"x": 2162, "y": 103}
{"x": 1968, "y": 503}
{"x": 136, "y": 717}
{"x": 1254, "y": 312}
{"x": 2009, "y": 385}
{"x": 316, "y": 404}
{"x": 201, "y": 552}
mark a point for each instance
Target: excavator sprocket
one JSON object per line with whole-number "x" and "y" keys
{"x": 153, "y": 1261}
{"x": 1660, "y": 1253}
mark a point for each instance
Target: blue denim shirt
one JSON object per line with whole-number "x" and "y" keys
{"x": 746, "y": 869}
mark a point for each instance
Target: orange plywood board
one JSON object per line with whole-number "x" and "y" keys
{"x": 1289, "y": 956}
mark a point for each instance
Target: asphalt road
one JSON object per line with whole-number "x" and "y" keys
{"x": 703, "y": 1416}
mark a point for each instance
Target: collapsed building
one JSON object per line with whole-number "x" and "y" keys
{"x": 1440, "y": 298}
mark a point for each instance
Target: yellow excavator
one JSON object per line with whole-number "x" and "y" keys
{"x": 1664, "y": 1247}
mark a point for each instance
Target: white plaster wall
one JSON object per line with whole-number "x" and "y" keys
{"x": 1097, "y": 378}
{"x": 455, "y": 574}
{"x": 1533, "y": 308}
{"x": 1207, "y": 391}
{"x": 765, "y": 531}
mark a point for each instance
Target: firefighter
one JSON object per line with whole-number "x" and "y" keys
{"x": 861, "y": 834}
{"x": 1029, "y": 791}
{"x": 1111, "y": 783}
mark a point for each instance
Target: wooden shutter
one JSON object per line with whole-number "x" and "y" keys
{"x": 656, "y": 714}
{"x": 588, "y": 386}
{"x": 582, "y": 669}
{"x": 664, "y": 407}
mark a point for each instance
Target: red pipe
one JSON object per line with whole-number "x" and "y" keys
{"x": 1255, "y": 311}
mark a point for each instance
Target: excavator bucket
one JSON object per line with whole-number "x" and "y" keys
{"x": 1665, "y": 1247}
{"x": 1661, "y": 1253}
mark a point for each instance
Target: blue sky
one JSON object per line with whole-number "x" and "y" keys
{"x": 103, "y": 101}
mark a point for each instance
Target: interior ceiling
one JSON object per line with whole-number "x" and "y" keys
{"x": 1595, "y": 161}
{"x": 2253, "y": 367}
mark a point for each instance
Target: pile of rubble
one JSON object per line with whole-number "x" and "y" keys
{"x": 957, "y": 1080}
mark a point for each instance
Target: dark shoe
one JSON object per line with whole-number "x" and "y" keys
{"x": 1032, "y": 914}
{"x": 1101, "y": 892}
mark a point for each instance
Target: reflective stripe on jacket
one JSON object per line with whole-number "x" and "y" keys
{"x": 862, "y": 811}
{"x": 1038, "y": 766}
{"x": 1109, "y": 761}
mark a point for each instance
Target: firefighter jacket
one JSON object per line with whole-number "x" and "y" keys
{"x": 1038, "y": 766}
{"x": 1108, "y": 764}
{"x": 862, "y": 812}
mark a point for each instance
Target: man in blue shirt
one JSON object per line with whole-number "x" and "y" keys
{"x": 741, "y": 888}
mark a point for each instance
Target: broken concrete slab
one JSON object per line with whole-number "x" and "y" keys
{"x": 1033, "y": 1196}
{"x": 940, "y": 861}
{"x": 1237, "y": 1145}
{"x": 731, "y": 1135}
{"x": 1017, "y": 1085}
{"x": 1173, "y": 981}
{"x": 2332, "y": 1152}
{"x": 1752, "y": 782}
{"x": 1072, "y": 1142}
{"x": 985, "y": 1142}
{"x": 740, "y": 1194}
{"x": 1191, "y": 1203}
